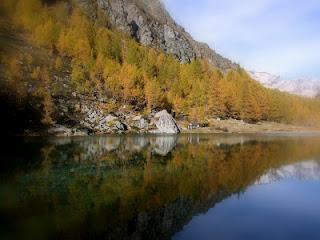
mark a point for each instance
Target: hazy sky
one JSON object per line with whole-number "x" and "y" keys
{"x": 277, "y": 36}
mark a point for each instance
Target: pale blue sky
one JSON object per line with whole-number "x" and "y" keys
{"x": 276, "y": 36}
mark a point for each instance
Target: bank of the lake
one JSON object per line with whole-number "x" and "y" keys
{"x": 139, "y": 124}
{"x": 239, "y": 126}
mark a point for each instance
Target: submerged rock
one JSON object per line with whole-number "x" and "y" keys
{"x": 165, "y": 123}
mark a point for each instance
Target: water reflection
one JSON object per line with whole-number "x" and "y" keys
{"x": 307, "y": 170}
{"x": 137, "y": 187}
{"x": 282, "y": 204}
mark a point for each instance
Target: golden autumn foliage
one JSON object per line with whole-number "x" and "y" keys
{"x": 153, "y": 94}
{"x": 216, "y": 95}
{"x": 132, "y": 83}
{"x": 114, "y": 65}
{"x": 47, "y": 33}
{"x": 14, "y": 75}
{"x": 48, "y": 109}
{"x": 110, "y": 76}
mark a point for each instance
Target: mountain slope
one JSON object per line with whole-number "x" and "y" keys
{"x": 306, "y": 87}
{"x": 70, "y": 66}
{"x": 151, "y": 25}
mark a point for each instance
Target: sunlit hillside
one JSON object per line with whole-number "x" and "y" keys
{"x": 52, "y": 50}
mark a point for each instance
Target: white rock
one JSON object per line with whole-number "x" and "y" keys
{"x": 166, "y": 123}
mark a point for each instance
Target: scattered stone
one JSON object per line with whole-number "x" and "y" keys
{"x": 137, "y": 118}
{"x": 110, "y": 118}
{"x": 77, "y": 107}
{"x": 140, "y": 123}
{"x": 121, "y": 126}
{"x": 63, "y": 131}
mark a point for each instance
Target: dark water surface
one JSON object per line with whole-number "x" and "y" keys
{"x": 161, "y": 187}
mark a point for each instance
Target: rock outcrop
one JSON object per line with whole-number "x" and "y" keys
{"x": 150, "y": 24}
{"x": 89, "y": 117}
{"x": 95, "y": 120}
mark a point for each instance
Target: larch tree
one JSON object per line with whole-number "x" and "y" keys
{"x": 153, "y": 94}
{"x": 216, "y": 95}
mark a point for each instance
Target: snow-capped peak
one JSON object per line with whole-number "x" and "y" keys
{"x": 304, "y": 86}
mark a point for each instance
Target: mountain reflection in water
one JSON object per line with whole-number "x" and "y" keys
{"x": 139, "y": 187}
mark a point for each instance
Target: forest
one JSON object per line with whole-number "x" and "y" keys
{"x": 103, "y": 61}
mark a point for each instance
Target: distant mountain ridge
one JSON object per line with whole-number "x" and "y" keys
{"x": 150, "y": 24}
{"x": 307, "y": 87}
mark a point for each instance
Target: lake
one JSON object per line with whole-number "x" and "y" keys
{"x": 161, "y": 187}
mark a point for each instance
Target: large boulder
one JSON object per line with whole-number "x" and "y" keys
{"x": 165, "y": 123}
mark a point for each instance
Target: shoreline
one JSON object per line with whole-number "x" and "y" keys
{"x": 232, "y": 126}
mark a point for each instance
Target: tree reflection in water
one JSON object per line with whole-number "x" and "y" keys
{"x": 139, "y": 187}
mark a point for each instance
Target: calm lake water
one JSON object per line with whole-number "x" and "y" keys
{"x": 161, "y": 187}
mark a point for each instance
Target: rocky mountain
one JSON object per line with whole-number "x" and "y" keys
{"x": 150, "y": 24}
{"x": 307, "y": 87}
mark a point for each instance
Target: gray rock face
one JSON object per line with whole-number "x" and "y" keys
{"x": 150, "y": 24}
{"x": 166, "y": 123}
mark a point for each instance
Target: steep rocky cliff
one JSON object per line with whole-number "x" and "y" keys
{"x": 150, "y": 24}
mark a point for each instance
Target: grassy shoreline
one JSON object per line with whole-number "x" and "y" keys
{"x": 238, "y": 126}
